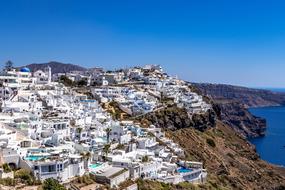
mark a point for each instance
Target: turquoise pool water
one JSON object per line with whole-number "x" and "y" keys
{"x": 184, "y": 170}
{"x": 93, "y": 166}
{"x": 34, "y": 158}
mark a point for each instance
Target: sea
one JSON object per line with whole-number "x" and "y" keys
{"x": 271, "y": 147}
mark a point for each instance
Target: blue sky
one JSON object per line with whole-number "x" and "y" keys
{"x": 223, "y": 41}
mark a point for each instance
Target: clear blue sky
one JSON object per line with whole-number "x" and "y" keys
{"x": 222, "y": 41}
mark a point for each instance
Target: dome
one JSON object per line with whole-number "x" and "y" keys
{"x": 25, "y": 69}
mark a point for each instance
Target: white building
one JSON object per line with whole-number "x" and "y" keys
{"x": 43, "y": 77}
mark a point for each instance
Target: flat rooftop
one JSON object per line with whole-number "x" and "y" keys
{"x": 111, "y": 172}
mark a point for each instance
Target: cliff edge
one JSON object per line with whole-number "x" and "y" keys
{"x": 234, "y": 101}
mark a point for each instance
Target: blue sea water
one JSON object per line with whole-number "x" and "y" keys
{"x": 277, "y": 89}
{"x": 271, "y": 147}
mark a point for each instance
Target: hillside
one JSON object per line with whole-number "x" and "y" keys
{"x": 231, "y": 161}
{"x": 248, "y": 96}
{"x": 234, "y": 114}
{"x": 173, "y": 118}
{"x": 234, "y": 102}
{"x": 56, "y": 67}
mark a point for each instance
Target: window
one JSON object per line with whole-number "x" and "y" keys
{"x": 50, "y": 168}
{"x": 59, "y": 167}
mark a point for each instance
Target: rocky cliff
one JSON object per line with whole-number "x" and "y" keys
{"x": 234, "y": 102}
{"x": 231, "y": 161}
{"x": 247, "y": 96}
{"x": 240, "y": 119}
{"x": 173, "y": 118}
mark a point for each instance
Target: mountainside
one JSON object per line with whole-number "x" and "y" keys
{"x": 247, "y": 96}
{"x": 234, "y": 102}
{"x": 240, "y": 119}
{"x": 56, "y": 67}
{"x": 173, "y": 118}
{"x": 231, "y": 161}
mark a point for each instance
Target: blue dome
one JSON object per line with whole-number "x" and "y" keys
{"x": 25, "y": 69}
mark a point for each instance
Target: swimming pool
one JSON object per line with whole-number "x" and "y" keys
{"x": 34, "y": 158}
{"x": 94, "y": 166}
{"x": 184, "y": 170}
{"x": 37, "y": 150}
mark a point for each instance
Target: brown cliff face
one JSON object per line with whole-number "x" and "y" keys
{"x": 231, "y": 161}
{"x": 234, "y": 101}
{"x": 241, "y": 120}
{"x": 247, "y": 96}
{"x": 173, "y": 118}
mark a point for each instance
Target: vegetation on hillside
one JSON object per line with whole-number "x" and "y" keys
{"x": 56, "y": 67}
{"x": 6, "y": 168}
{"x": 26, "y": 177}
{"x": 52, "y": 184}
{"x": 68, "y": 82}
{"x": 231, "y": 161}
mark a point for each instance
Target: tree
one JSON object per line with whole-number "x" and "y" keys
{"x": 86, "y": 156}
{"x": 108, "y": 131}
{"x": 9, "y": 65}
{"x": 161, "y": 96}
{"x": 52, "y": 184}
{"x": 65, "y": 80}
{"x": 145, "y": 158}
{"x": 82, "y": 83}
{"x": 79, "y": 130}
{"x": 106, "y": 150}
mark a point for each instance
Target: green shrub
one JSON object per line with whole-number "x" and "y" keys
{"x": 25, "y": 176}
{"x": 211, "y": 142}
{"x": 85, "y": 179}
{"x": 145, "y": 159}
{"x": 52, "y": 184}
{"x": 185, "y": 185}
{"x": 121, "y": 147}
{"x": 82, "y": 82}
{"x": 66, "y": 81}
{"x": 6, "y": 168}
{"x": 231, "y": 155}
{"x": 7, "y": 181}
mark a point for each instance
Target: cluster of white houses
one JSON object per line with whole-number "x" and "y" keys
{"x": 55, "y": 132}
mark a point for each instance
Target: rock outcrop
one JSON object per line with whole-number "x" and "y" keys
{"x": 249, "y": 97}
{"x": 230, "y": 159}
{"x": 234, "y": 101}
{"x": 241, "y": 120}
{"x": 173, "y": 118}
{"x": 232, "y": 162}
